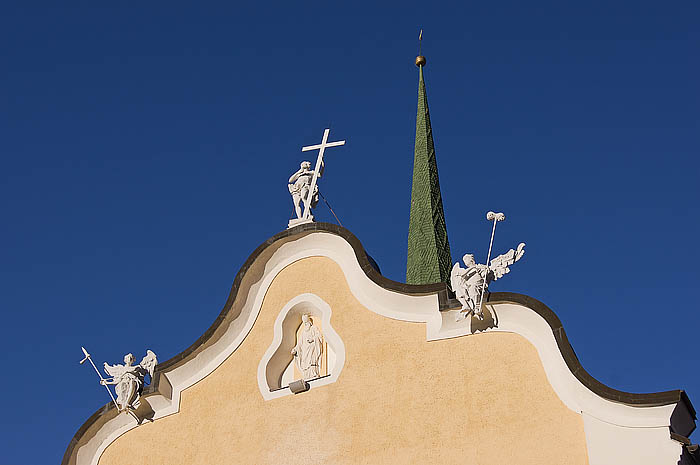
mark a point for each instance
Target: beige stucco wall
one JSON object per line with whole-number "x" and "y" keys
{"x": 480, "y": 399}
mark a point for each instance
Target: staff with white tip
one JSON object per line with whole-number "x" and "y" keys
{"x": 102, "y": 380}
{"x": 495, "y": 217}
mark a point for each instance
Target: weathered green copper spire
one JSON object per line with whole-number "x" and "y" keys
{"x": 429, "y": 258}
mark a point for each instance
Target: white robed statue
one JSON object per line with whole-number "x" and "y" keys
{"x": 469, "y": 283}
{"x": 303, "y": 183}
{"x": 129, "y": 379}
{"x": 299, "y": 185}
{"x": 307, "y": 352}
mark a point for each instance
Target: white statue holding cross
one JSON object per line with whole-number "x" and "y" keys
{"x": 303, "y": 184}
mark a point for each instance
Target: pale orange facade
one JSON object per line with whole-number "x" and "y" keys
{"x": 401, "y": 379}
{"x": 483, "y": 399}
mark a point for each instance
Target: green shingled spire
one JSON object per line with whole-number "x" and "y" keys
{"x": 429, "y": 258}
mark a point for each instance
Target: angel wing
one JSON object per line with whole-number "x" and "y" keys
{"x": 149, "y": 362}
{"x": 115, "y": 371}
{"x": 456, "y": 276}
{"x": 499, "y": 265}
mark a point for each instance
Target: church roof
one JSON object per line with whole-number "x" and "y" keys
{"x": 428, "y": 258}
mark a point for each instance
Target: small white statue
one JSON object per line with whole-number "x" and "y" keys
{"x": 129, "y": 379}
{"x": 307, "y": 352}
{"x": 299, "y": 185}
{"x": 469, "y": 283}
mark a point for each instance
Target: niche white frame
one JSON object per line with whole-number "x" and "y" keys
{"x": 276, "y": 358}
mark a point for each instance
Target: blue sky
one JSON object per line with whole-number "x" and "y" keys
{"x": 145, "y": 151}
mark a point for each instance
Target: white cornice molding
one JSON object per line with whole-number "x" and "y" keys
{"x": 514, "y": 318}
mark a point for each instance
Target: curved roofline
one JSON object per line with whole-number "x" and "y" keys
{"x": 446, "y": 301}
{"x": 574, "y": 365}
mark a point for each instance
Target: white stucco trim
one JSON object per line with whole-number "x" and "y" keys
{"x": 303, "y": 303}
{"x": 620, "y": 445}
{"x": 512, "y": 317}
{"x": 518, "y": 319}
{"x": 317, "y": 244}
{"x": 616, "y": 433}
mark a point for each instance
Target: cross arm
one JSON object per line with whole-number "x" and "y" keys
{"x": 316, "y": 147}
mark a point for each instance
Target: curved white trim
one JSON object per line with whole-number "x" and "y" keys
{"x": 439, "y": 325}
{"x": 317, "y": 244}
{"x": 516, "y": 318}
{"x": 611, "y": 444}
{"x": 303, "y": 303}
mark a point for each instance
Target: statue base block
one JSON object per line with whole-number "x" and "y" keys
{"x": 298, "y": 386}
{"x": 298, "y": 221}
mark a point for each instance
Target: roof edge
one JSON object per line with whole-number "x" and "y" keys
{"x": 567, "y": 351}
{"x": 446, "y": 300}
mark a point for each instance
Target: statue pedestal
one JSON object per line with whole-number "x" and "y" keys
{"x": 298, "y": 221}
{"x": 298, "y": 386}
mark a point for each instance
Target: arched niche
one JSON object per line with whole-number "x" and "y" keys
{"x": 277, "y": 363}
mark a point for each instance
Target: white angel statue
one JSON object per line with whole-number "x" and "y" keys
{"x": 129, "y": 379}
{"x": 468, "y": 283}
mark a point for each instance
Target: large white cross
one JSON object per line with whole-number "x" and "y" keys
{"x": 321, "y": 147}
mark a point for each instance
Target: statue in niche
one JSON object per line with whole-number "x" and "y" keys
{"x": 469, "y": 283}
{"x": 129, "y": 379}
{"x": 299, "y": 185}
{"x": 307, "y": 352}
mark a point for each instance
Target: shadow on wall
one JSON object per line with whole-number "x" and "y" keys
{"x": 490, "y": 320}
{"x": 144, "y": 412}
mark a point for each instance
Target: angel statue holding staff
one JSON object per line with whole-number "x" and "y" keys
{"x": 129, "y": 379}
{"x": 469, "y": 283}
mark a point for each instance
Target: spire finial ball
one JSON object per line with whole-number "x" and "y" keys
{"x": 420, "y": 60}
